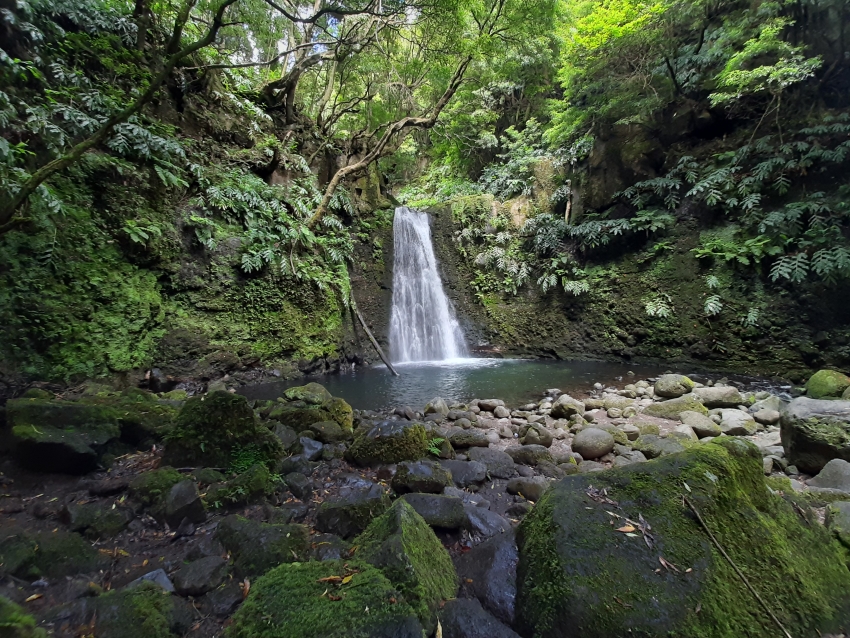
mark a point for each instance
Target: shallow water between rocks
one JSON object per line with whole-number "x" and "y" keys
{"x": 515, "y": 381}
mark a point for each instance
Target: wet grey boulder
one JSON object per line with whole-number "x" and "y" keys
{"x": 592, "y": 443}
{"x": 347, "y": 515}
{"x": 767, "y": 417}
{"x": 737, "y": 423}
{"x": 719, "y": 397}
{"x": 461, "y": 438}
{"x": 814, "y": 432}
{"x": 466, "y": 473}
{"x": 501, "y": 412}
{"x": 286, "y": 435}
{"x": 437, "y": 406}
{"x": 536, "y": 434}
{"x": 200, "y": 576}
{"x": 565, "y": 406}
{"x": 654, "y": 446}
{"x": 483, "y": 522}
{"x": 329, "y": 432}
{"x": 499, "y": 464}
{"x": 421, "y": 476}
{"x": 835, "y": 476}
{"x": 701, "y": 425}
{"x": 158, "y": 577}
{"x": 673, "y": 385}
{"x": 184, "y": 501}
{"x": 529, "y": 454}
{"x": 489, "y": 405}
{"x": 488, "y": 572}
{"x": 311, "y": 449}
{"x": 531, "y": 488}
{"x": 465, "y": 618}
{"x": 438, "y": 510}
{"x": 300, "y": 486}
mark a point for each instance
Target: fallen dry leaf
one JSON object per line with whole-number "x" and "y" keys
{"x": 668, "y": 565}
{"x": 347, "y": 579}
{"x": 34, "y": 597}
{"x": 625, "y": 529}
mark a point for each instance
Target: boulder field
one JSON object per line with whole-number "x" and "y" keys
{"x": 665, "y": 507}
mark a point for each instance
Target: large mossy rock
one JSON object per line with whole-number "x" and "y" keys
{"x": 672, "y": 408}
{"x": 257, "y": 547}
{"x": 305, "y": 405}
{"x": 15, "y": 623}
{"x": 827, "y": 384}
{"x": 320, "y": 599}
{"x": 673, "y": 385}
{"x": 389, "y": 442}
{"x": 350, "y": 512}
{"x": 579, "y": 577}
{"x": 151, "y": 489}
{"x": 814, "y": 432}
{"x": 212, "y": 430}
{"x": 71, "y": 436}
{"x": 402, "y": 545}
{"x": 47, "y": 554}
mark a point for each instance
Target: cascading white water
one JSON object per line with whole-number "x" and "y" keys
{"x": 423, "y": 326}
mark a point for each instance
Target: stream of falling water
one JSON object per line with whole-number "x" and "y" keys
{"x": 423, "y": 325}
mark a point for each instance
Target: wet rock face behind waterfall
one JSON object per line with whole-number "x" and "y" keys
{"x": 423, "y": 326}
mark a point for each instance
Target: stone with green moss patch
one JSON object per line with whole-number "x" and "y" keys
{"x": 389, "y": 442}
{"x": 814, "y": 432}
{"x": 15, "y": 623}
{"x": 672, "y": 408}
{"x": 312, "y": 393}
{"x": 303, "y": 601}
{"x": 827, "y": 384}
{"x": 576, "y": 571}
{"x": 253, "y": 484}
{"x": 402, "y": 545}
{"x": 216, "y": 429}
{"x": 142, "y": 611}
{"x": 151, "y": 488}
{"x": 257, "y": 547}
{"x": 47, "y": 554}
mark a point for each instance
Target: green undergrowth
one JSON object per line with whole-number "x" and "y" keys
{"x": 575, "y": 569}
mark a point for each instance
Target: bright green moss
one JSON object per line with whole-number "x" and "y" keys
{"x": 389, "y": 442}
{"x": 293, "y": 601}
{"x": 827, "y": 384}
{"x": 575, "y": 570}
{"x": 14, "y": 623}
{"x": 254, "y": 483}
{"x": 405, "y": 548}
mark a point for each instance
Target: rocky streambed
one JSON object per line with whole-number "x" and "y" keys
{"x": 661, "y": 507}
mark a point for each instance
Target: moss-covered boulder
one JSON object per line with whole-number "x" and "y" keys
{"x": 151, "y": 488}
{"x": 320, "y": 599}
{"x": 402, "y": 545}
{"x": 389, "y": 442}
{"x": 257, "y": 547}
{"x": 142, "y": 611}
{"x": 253, "y": 484}
{"x": 312, "y": 393}
{"x": 52, "y": 555}
{"x": 672, "y": 408}
{"x": 15, "y": 623}
{"x": 580, "y": 577}
{"x": 72, "y": 436}
{"x": 216, "y": 429}
{"x": 673, "y": 385}
{"x": 814, "y": 432}
{"x": 827, "y": 384}
{"x": 60, "y": 436}
{"x": 652, "y": 445}
{"x": 97, "y": 520}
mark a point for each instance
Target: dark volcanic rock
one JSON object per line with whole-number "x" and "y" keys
{"x": 421, "y": 476}
{"x": 499, "y": 464}
{"x": 464, "y": 618}
{"x": 349, "y": 514}
{"x": 438, "y": 510}
{"x": 200, "y": 576}
{"x": 488, "y": 572}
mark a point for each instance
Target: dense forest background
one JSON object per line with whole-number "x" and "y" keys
{"x": 198, "y": 187}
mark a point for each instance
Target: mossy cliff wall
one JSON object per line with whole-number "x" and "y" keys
{"x": 799, "y": 327}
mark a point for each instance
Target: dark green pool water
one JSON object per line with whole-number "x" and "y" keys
{"x": 516, "y": 381}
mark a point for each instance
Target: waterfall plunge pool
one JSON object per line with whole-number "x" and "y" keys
{"x": 516, "y": 381}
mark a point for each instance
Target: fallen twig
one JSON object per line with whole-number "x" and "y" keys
{"x": 735, "y": 567}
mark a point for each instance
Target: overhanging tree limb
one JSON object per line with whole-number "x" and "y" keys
{"x": 380, "y": 148}
{"x": 9, "y": 207}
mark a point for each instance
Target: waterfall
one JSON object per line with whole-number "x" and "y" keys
{"x": 423, "y": 326}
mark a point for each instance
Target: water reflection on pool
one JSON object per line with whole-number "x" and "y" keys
{"x": 516, "y": 381}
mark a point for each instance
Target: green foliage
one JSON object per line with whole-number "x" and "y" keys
{"x": 660, "y": 306}
{"x": 434, "y": 446}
